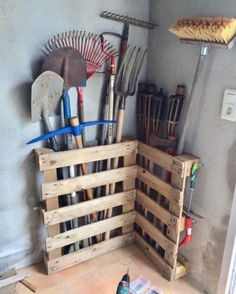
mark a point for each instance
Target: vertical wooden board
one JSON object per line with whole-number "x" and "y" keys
{"x": 51, "y": 204}
{"x": 129, "y": 160}
{"x": 176, "y": 209}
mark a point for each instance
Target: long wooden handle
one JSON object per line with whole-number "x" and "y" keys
{"x": 75, "y": 122}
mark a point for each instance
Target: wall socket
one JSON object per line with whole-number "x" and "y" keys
{"x": 229, "y": 105}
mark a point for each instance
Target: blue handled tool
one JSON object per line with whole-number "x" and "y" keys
{"x": 75, "y": 130}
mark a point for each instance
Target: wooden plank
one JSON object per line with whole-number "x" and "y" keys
{"x": 166, "y": 270}
{"x": 177, "y": 210}
{"x": 188, "y": 160}
{"x": 66, "y": 213}
{"x": 129, "y": 160}
{"x": 164, "y": 188}
{"x": 160, "y": 212}
{"x": 89, "y": 230}
{"x": 13, "y": 279}
{"x": 161, "y": 158}
{"x": 51, "y": 204}
{"x": 87, "y": 181}
{"x": 156, "y": 235}
{"x": 90, "y": 252}
{"x": 67, "y": 158}
{"x": 180, "y": 271}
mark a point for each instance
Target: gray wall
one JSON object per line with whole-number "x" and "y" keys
{"x": 208, "y": 137}
{"x": 25, "y": 27}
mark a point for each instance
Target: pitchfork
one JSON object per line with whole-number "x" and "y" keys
{"x": 125, "y": 86}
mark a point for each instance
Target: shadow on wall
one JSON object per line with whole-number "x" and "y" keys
{"x": 231, "y": 169}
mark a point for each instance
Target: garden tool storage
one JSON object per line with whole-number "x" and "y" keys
{"x": 170, "y": 263}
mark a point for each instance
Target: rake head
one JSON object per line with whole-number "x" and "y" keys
{"x": 129, "y": 71}
{"x": 95, "y": 51}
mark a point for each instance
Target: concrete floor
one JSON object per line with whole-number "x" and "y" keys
{"x": 102, "y": 274}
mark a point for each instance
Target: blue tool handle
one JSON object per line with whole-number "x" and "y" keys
{"x": 76, "y": 131}
{"x": 66, "y": 104}
{"x": 49, "y": 135}
{"x": 79, "y": 129}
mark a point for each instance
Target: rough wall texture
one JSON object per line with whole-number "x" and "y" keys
{"x": 208, "y": 137}
{"x": 25, "y": 27}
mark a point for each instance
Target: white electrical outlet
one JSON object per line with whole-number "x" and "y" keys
{"x": 229, "y": 105}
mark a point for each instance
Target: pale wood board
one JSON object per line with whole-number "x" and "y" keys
{"x": 90, "y": 252}
{"x": 129, "y": 160}
{"x": 156, "y": 209}
{"x": 87, "y": 231}
{"x": 166, "y": 270}
{"x": 51, "y": 204}
{"x": 169, "y": 191}
{"x": 161, "y": 158}
{"x": 87, "y": 181}
{"x": 158, "y": 236}
{"x": 87, "y": 207}
{"x": 12, "y": 279}
{"x": 78, "y": 156}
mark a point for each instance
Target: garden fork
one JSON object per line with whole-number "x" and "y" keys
{"x": 125, "y": 86}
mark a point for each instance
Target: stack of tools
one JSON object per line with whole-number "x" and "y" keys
{"x": 72, "y": 58}
{"x": 150, "y": 107}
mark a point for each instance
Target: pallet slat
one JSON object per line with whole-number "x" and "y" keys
{"x": 156, "y": 234}
{"x": 90, "y": 252}
{"x": 161, "y": 213}
{"x": 67, "y": 213}
{"x": 170, "y": 192}
{"x": 67, "y": 186}
{"x": 161, "y": 158}
{"x": 87, "y": 231}
{"x": 67, "y": 158}
{"x": 155, "y": 258}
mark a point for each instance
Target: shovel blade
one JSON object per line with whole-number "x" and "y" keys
{"x": 69, "y": 64}
{"x": 46, "y": 93}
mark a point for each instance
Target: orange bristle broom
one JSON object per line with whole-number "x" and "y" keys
{"x": 220, "y": 30}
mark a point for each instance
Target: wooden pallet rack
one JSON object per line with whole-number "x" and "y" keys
{"x": 143, "y": 219}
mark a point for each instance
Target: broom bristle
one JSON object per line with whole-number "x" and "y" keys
{"x": 208, "y": 29}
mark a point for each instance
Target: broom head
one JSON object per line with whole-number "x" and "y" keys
{"x": 219, "y": 30}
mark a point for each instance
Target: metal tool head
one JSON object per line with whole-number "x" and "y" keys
{"x": 88, "y": 44}
{"x": 46, "y": 93}
{"x": 128, "y": 20}
{"x": 129, "y": 71}
{"x": 69, "y": 64}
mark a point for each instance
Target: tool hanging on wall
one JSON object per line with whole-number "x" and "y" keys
{"x": 204, "y": 31}
{"x": 125, "y": 86}
{"x": 89, "y": 45}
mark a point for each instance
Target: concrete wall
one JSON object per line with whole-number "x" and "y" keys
{"x": 25, "y": 27}
{"x": 208, "y": 137}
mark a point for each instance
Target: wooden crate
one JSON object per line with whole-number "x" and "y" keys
{"x": 127, "y": 173}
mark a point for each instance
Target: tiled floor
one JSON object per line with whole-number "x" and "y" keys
{"x": 102, "y": 274}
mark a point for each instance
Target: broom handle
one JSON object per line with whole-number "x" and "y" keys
{"x": 75, "y": 122}
{"x": 189, "y": 102}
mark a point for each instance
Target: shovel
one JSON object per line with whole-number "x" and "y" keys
{"x": 45, "y": 100}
